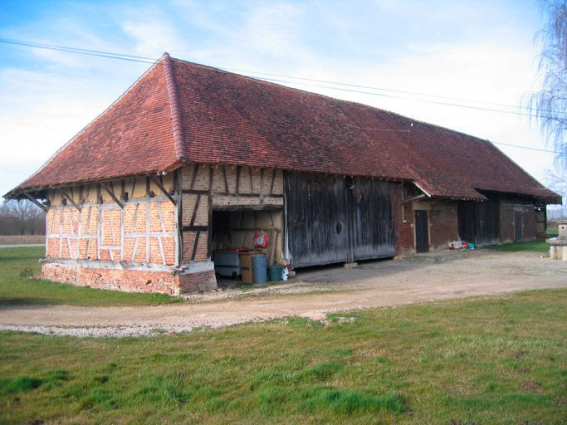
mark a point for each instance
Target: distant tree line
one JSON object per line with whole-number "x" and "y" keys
{"x": 21, "y": 218}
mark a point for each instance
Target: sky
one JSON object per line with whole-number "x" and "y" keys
{"x": 474, "y": 53}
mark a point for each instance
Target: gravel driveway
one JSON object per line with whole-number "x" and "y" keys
{"x": 373, "y": 284}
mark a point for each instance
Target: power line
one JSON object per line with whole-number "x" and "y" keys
{"x": 379, "y": 89}
{"x": 477, "y": 108}
{"x": 88, "y": 52}
{"x": 527, "y": 148}
{"x": 145, "y": 59}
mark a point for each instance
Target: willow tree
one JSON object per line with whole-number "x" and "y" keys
{"x": 549, "y": 105}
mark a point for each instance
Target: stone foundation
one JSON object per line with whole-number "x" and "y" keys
{"x": 557, "y": 251}
{"x": 558, "y": 245}
{"x": 197, "y": 282}
{"x": 130, "y": 280}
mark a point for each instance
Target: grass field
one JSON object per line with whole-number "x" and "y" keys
{"x": 22, "y": 239}
{"x": 532, "y": 246}
{"x": 484, "y": 361}
{"x": 18, "y": 264}
{"x": 491, "y": 360}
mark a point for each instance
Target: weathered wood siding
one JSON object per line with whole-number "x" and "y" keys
{"x": 317, "y": 219}
{"x": 328, "y": 223}
{"x": 373, "y": 229}
{"x": 479, "y": 222}
{"x": 517, "y": 222}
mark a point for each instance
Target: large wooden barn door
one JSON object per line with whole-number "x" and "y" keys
{"x": 372, "y": 229}
{"x": 330, "y": 223}
{"x": 479, "y": 222}
{"x": 316, "y": 219}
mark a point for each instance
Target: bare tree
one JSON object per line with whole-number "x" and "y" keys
{"x": 21, "y": 218}
{"x": 549, "y": 105}
{"x": 556, "y": 179}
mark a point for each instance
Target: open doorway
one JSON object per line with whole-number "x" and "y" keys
{"x": 234, "y": 230}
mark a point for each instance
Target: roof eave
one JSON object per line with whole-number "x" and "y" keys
{"x": 18, "y": 192}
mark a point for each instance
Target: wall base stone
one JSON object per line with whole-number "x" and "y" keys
{"x": 197, "y": 282}
{"x": 165, "y": 282}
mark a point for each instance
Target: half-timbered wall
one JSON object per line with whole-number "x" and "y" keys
{"x": 129, "y": 221}
{"x": 223, "y": 188}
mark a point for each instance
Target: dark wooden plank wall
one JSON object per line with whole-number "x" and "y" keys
{"x": 479, "y": 222}
{"x": 316, "y": 219}
{"x": 327, "y": 223}
{"x": 373, "y": 229}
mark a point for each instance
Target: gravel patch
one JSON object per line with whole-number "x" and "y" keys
{"x": 313, "y": 295}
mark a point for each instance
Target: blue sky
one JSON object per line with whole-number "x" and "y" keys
{"x": 468, "y": 50}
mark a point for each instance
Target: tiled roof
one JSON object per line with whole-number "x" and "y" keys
{"x": 227, "y": 118}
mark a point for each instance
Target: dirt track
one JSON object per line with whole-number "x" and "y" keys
{"x": 375, "y": 284}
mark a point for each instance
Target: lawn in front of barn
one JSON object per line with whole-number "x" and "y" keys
{"x": 19, "y": 266}
{"x": 499, "y": 359}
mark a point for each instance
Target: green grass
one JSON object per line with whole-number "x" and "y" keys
{"x": 16, "y": 288}
{"x": 488, "y": 360}
{"x": 532, "y": 246}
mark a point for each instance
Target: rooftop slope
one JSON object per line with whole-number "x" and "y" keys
{"x": 238, "y": 120}
{"x": 221, "y": 117}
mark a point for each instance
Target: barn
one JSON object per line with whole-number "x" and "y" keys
{"x": 191, "y": 159}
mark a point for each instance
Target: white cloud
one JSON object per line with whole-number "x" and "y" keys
{"x": 153, "y": 33}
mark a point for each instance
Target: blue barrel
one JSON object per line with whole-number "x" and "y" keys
{"x": 260, "y": 269}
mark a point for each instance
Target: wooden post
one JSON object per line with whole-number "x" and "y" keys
{"x": 163, "y": 190}
{"x": 35, "y": 202}
{"x": 70, "y": 199}
{"x": 110, "y": 191}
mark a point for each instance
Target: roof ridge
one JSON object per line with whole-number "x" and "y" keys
{"x": 178, "y": 133}
{"x": 351, "y": 102}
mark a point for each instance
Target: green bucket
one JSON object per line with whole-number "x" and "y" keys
{"x": 275, "y": 273}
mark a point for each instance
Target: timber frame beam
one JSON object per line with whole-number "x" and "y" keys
{"x": 69, "y": 198}
{"x": 159, "y": 184}
{"x": 110, "y": 191}
{"x": 35, "y": 201}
